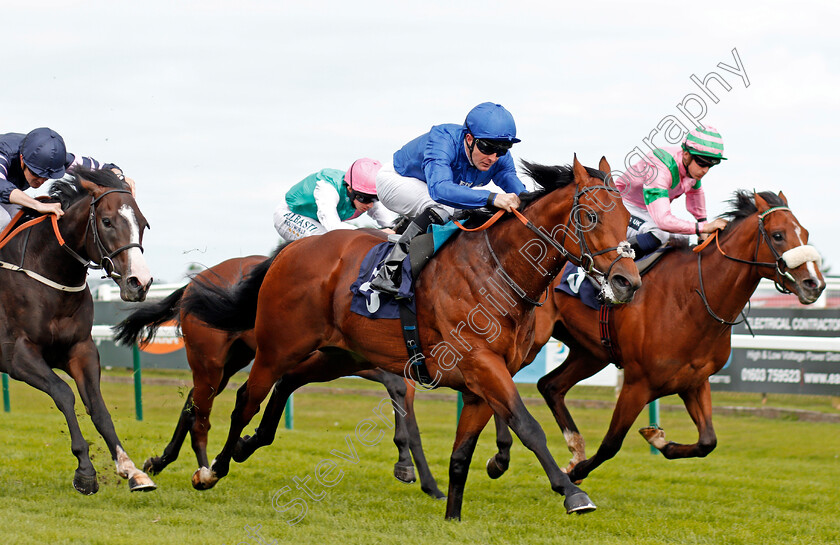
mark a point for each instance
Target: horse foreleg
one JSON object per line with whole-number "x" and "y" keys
{"x": 27, "y": 365}
{"x": 404, "y": 468}
{"x": 631, "y": 401}
{"x": 474, "y": 417}
{"x": 499, "y": 462}
{"x": 698, "y": 403}
{"x": 83, "y": 366}
{"x": 498, "y": 390}
{"x": 554, "y": 386}
{"x": 428, "y": 484}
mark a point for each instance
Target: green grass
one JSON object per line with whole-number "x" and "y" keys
{"x": 769, "y": 481}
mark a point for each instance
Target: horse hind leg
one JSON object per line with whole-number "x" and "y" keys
{"x": 498, "y": 464}
{"x": 427, "y": 480}
{"x": 155, "y": 464}
{"x": 698, "y": 403}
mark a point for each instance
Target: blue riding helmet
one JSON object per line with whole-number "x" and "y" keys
{"x": 491, "y": 122}
{"x": 44, "y": 153}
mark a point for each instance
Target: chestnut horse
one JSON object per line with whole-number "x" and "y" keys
{"x": 215, "y": 355}
{"x": 676, "y": 333}
{"x": 475, "y": 309}
{"x": 46, "y": 313}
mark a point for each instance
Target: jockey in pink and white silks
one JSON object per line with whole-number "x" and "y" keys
{"x": 650, "y": 185}
{"x": 325, "y": 200}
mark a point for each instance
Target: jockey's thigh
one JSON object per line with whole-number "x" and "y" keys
{"x": 292, "y": 226}
{"x": 7, "y": 212}
{"x": 404, "y": 195}
{"x": 641, "y": 222}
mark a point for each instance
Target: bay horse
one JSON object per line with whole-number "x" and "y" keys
{"x": 677, "y": 331}
{"x": 475, "y": 310}
{"x": 46, "y": 309}
{"x": 214, "y": 355}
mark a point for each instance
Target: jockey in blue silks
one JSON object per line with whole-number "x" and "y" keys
{"x": 436, "y": 173}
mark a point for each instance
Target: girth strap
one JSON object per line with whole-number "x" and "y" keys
{"x": 604, "y": 329}
{"x": 411, "y": 335}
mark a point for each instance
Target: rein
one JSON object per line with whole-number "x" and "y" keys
{"x": 586, "y": 260}
{"x": 780, "y": 274}
{"x": 105, "y": 263}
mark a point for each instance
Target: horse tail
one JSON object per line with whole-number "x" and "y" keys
{"x": 148, "y": 316}
{"x": 228, "y": 307}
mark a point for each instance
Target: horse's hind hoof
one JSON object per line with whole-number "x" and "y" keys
{"x": 578, "y": 503}
{"x": 86, "y": 484}
{"x": 150, "y": 465}
{"x": 435, "y": 493}
{"x": 243, "y": 449}
{"x": 404, "y": 474}
{"x": 141, "y": 483}
{"x": 494, "y": 468}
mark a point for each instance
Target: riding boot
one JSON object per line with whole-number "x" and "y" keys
{"x": 389, "y": 276}
{"x": 644, "y": 244}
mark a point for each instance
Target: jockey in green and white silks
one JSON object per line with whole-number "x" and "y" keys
{"x": 325, "y": 200}
{"x": 650, "y": 185}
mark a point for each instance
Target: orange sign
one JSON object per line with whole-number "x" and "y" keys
{"x": 164, "y": 343}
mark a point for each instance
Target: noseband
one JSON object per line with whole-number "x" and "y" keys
{"x": 106, "y": 262}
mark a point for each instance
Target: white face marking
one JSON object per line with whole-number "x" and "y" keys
{"x": 136, "y": 262}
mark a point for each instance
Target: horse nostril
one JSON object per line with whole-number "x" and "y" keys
{"x": 133, "y": 283}
{"x": 811, "y": 284}
{"x": 620, "y": 282}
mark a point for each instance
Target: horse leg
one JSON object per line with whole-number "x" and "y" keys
{"x": 493, "y": 382}
{"x": 211, "y": 378}
{"x": 404, "y": 468}
{"x": 427, "y": 481}
{"x": 27, "y": 365}
{"x": 631, "y": 401}
{"x": 321, "y": 365}
{"x": 499, "y": 462}
{"x": 155, "y": 464}
{"x": 83, "y": 366}
{"x": 698, "y": 403}
{"x": 554, "y": 386}
{"x": 474, "y": 417}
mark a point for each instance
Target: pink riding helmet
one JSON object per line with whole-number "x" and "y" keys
{"x": 361, "y": 176}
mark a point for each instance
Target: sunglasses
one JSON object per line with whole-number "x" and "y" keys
{"x": 489, "y": 147}
{"x": 364, "y": 198}
{"x": 705, "y": 162}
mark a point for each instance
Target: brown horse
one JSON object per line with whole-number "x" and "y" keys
{"x": 215, "y": 355}
{"x": 475, "y": 310}
{"x": 102, "y": 227}
{"x": 676, "y": 333}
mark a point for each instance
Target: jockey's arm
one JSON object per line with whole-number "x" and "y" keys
{"x": 20, "y": 198}
{"x": 383, "y": 217}
{"x": 326, "y": 200}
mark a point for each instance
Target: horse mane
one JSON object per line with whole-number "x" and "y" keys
{"x": 69, "y": 190}
{"x": 548, "y": 178}
{"x": 743, "y": 205}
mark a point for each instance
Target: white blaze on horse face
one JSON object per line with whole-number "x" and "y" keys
{"x": 136, "y": 262}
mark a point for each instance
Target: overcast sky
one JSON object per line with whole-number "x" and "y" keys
{"x": 216, "y": 108}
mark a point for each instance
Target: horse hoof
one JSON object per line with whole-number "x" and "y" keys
{"x": 653, "y": 435}
{"x": 141, "y": 483}
{"x": 150, "y": 465}
{"x": 435, "y": 493}
{"x": 494, "y": 468}
{"x": 578, "y": 503}
{"x": 203, "y": 479}
{"x": 241, "y": 451}
{"x": 86, "y": 484}
{"x": 405, "y": 474}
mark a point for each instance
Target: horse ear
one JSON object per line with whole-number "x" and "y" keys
{"x": 90, "y": 187}
{"x": 782, "y": 196}
{"x": 581, "y": 176}
{"x": 760, "y": 203}
{"x": 604, "y": 166}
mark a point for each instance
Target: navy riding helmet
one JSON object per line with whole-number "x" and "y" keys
{"x": 44, "y": 153}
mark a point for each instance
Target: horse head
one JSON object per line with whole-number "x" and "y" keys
{"x": 797, "y": 263}
{"x": 114, "y": 234}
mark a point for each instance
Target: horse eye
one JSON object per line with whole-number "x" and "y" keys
{"x": 593, "y": 218}
{"x": 106, "y": 222}
{"x": 778, "y": 237}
